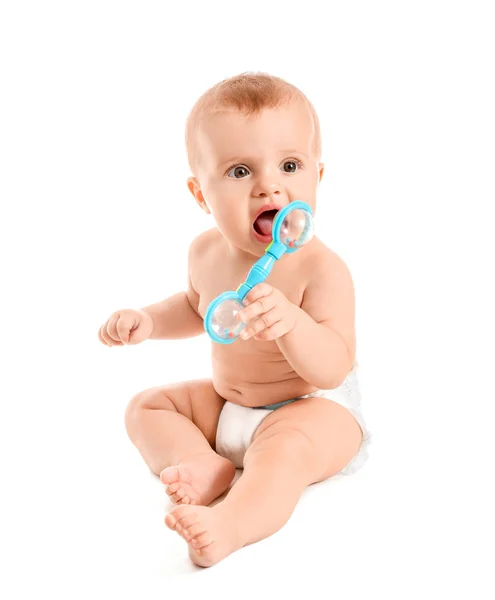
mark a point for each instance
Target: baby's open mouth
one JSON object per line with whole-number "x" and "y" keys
{"x": 264, "y": 222}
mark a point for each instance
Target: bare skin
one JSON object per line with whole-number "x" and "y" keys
{"x": 302, "y": 339}
{"x": 297, "y": 445}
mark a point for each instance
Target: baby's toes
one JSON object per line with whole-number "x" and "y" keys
{"x": 178, "y": 500}
{"x": 178, "y": 496}
{"x": 188, "y": 520}
{"x": 193, "y": 531}
{"x": 180, "y": 493}
{"x": 181, "y": 515}
{"x": 169, "y": 475}
{"x": 201, "y": 540}
{"x": 183, "y": 497}
{"x": 172, "y": 521}
{"x": 172, "y": 487}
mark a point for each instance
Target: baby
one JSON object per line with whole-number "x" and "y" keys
{"x": 283, "y": 401}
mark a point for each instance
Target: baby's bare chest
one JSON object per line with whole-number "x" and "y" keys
{"x": 250, "y": 371}
{"x": 213, "y": 283}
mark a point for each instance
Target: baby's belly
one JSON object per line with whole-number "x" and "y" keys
{"x": 255, "y": 378}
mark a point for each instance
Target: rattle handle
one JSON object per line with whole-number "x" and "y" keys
{"x": 258, "y": 273}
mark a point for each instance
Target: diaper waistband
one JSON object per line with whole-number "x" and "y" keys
{"x": 276, "y": 405}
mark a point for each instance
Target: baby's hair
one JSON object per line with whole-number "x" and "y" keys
{"x": 248, "y": 93}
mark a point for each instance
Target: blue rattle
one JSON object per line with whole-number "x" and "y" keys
{"x": 292, "y": 228}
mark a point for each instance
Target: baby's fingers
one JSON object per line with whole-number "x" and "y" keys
{"x": 111, "y": 328}
{"x": 124, "y": 327}
{"x": 261, "y": 323}
{"x": 100, "y": 336}
{"x": 258, "y": 304}
{"x": 106, "y": 339}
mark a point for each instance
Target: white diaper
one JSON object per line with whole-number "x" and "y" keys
{"x": 237, "y": 424}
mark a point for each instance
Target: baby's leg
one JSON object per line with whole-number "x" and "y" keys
{"x": 297, "y": 445}
{"x": 174, "y": 428}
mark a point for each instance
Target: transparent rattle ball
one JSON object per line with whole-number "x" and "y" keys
{"x": 297, "y": 228}
{"x": 223, "y": 319}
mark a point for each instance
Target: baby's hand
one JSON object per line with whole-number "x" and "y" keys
{"x": 126, "y": 327}
{"x": 268, "y": 313}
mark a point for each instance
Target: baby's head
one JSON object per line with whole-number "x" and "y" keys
{"x": 253, "y": 143}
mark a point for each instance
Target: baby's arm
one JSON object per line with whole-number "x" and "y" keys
{"x": 177, "y": 317}
{"x": 321, "y": 347}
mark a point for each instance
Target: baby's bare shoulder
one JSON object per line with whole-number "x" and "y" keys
{"x": 325, "y": 267}
{"x": 203, "y": 245}
{"x": 329, "y": 293}
{"x": 200, "y": 255}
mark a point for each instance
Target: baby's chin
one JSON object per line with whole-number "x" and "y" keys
{"x": 259, "y": 243}
{"x": 250, "y": 248}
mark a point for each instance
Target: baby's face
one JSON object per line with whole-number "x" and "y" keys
{"x": 251, "y": 163}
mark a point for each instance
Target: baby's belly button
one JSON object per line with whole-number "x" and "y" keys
{"x": 240, "y": 388}
{"x": 260, "y": 394}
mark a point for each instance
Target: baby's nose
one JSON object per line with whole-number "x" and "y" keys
{"x": 266, "y": 186}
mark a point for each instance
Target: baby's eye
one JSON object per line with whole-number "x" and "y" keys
{"x": 238, "y": 172}
{"x": 291, "y": 166}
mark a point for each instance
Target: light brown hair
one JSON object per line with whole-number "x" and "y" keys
{"x": 248, "y": 93}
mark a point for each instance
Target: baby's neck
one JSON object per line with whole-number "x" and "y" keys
{"x": 245, "y": 259}
{"x": 240, "y": 256}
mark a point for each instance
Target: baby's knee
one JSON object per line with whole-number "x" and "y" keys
{"x": 141, "y": 403}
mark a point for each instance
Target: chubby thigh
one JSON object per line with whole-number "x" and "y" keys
{"x": 196, "y": 400}
{"x": 319, "y": 434}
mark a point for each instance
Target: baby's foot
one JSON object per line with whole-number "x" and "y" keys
{"x": 199, "y": 479}
{"x": 210, "y": 535}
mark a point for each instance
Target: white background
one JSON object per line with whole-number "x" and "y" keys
{"x": 95, "y": 216}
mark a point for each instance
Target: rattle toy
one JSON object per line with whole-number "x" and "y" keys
{"x": 292, "y": 228}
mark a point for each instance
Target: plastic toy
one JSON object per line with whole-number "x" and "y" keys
{"x": 292, "y": 228}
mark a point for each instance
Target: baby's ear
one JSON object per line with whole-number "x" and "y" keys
{"x": 193, "y": 185}
{"x": 321, "y": 168}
